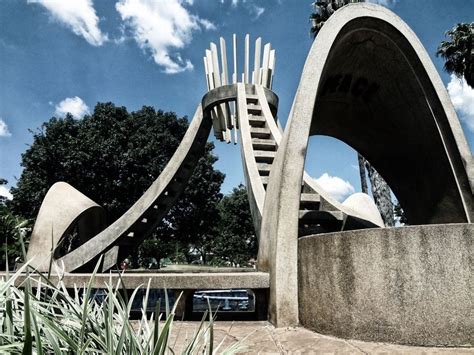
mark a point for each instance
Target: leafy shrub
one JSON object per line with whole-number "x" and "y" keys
{"x": 43, "y": 318}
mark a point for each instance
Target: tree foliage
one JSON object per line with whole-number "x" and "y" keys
{"x": 323, "y": 10}
{"x": 458, "y": 52}
{"x": 10, "y": 227}
{"x": 113, "y": 156}
{"x": 192, "y": 224}
{"x": 218, "y": 231}
{"x": 400, "y": 214}
{"x": 237, "y": 242}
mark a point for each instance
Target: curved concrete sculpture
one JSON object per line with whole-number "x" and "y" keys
{"x": 369, "y": 82}
{"x": 254, "y": 115}
{"x": 251, "y": 107}
{"x": 58, "y": 216}
{"x": 142, "y": 218}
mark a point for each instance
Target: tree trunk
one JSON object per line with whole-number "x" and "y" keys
{"x": 363, "y": 177}
{"x": 382, "y": 196}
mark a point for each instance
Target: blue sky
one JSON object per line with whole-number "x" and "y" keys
{"x": 58, "y": 56}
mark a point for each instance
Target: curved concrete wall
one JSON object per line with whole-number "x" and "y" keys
{"x": 380, "y": 93}
{"x": 367, "y": 71}
{"x": 409, "y": 285}
{"x": 56, "y": 218}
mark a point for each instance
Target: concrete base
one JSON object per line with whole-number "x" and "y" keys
{"x": 410, "y": 285}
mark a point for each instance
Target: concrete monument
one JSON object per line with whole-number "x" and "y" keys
{"x": 330, "y": 266}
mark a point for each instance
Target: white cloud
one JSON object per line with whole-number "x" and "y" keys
{"x": 462, "y": 96}
{"x": 334, "y": 185}
{"x": 253, "y": 9}
{"x": 74, "y": 105}
{"x": 78, "y": 15}
{"x": 161, "y": 27}
{"x": 387, "y": 3}
{"x": 234, "y": 2}
{"x": 4, "y": 132}
{"x": 257, "y": 11}
{"x": 5, "y": 193}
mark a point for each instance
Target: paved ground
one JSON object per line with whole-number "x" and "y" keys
{"x": 262, "y": 338}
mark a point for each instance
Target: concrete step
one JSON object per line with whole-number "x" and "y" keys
{"x": 264, "y": 169}
{"x": 264, "y": 144}
{"x": 256, "y": 132}
{"x": 317, "y": 222}
{"x": 264, "y": 156}
{"x": 252, "y": 99}
{"x": 265, "y": 180}
{"x": 254, "y": 109}
{"x": 310, "y": 201}
{"x": 310, "y": 229}
{"x": 257, "y": 121}
{"x": 316, "y": 216}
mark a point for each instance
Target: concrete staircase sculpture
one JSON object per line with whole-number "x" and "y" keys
{"x": 254, "y": 108}
{"x": 254, "y": 114}
{"x": 317, "y": 267}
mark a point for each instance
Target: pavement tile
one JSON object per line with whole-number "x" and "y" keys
{"x": 263, "y": 339}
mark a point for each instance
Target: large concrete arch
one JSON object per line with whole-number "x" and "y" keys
{"x": 368, "y": 81}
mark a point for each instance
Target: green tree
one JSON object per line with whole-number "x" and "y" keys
{"x": 400, "y": 214}
{"x": 191, "y": 224}
{"x": 236, "y": 242}
{"x": 458, "y": 52}
{"x": 112, "y": 156}
{"x": 10, "y": 227}
{"x": 323, "y": 10}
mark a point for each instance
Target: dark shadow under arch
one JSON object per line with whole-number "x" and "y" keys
{"x": 376, "y": 96}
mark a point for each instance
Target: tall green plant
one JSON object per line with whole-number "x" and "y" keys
{"x": 52, "y": 321}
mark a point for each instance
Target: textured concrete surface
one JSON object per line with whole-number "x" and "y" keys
{"x": 62, "y": 209}
{"x": 212, "y": 280}
{"x": 401, "y": 120}
{"x": 410, "y": 285}
{"x": 263, "y": 338}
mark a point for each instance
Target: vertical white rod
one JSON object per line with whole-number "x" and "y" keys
{"x": 207, "y": 74}
{"x": 225, "y": 81}
{"x": 221, "y": 110}
{"x": 210, "y": 68}
{"x": 271, "y": 67}
{"x": 225, "y": 73}
{"x": 265, "y": 65}
{"x": 234, "y": 76}
{"x": 271, "y": 61}
{"x": 266, "y": 56}
{"x": 247, "y": 56}
{"x": 215, "y": 63}
{"x": 256, "y": 67}
{"x": 216, "y": 123}
{"x": 234, "y": 81}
